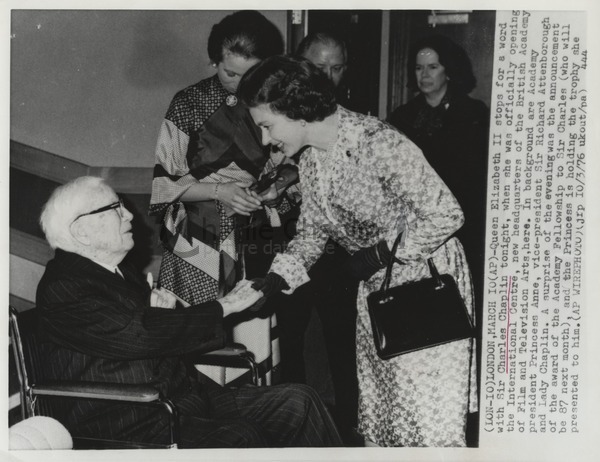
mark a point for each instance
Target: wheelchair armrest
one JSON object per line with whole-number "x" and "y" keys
{"x": 140, "y": 395}
{"x": 234, "y": 355}
{"x": 98, "y": 390}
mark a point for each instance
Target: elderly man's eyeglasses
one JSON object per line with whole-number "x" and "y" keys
{"x": 115, "y": 205}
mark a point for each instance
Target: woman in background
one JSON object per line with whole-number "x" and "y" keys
{"x": 208, "y": 153}
{"x": 451, "y": 129}
{"x": 362, "y": 184}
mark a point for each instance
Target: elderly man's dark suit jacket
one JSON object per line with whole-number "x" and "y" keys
{"x": 98, "y": 327}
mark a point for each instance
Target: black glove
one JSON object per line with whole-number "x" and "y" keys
{"x": 270, "y": 285}
{"x": 366, "y": 262}
{"x": 257, "y": 306}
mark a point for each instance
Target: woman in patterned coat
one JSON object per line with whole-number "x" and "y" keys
{"x": 208, "y": 152}
{"x": 363, "y": 183}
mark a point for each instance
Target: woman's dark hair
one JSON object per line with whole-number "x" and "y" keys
{"x": 454, "y": 59}
{"x": 289, "y": 85}
{"x": 245, "y": 33}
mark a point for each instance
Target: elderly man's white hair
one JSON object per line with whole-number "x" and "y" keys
{"x": 65, "y": 203}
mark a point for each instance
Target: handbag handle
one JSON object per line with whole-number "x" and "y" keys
{"x": 385, "y": 285}
{"x": 439, "y": 284}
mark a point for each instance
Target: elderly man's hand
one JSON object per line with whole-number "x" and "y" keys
{"x": 162, "y": 298}
{"x": 241, "y": 297}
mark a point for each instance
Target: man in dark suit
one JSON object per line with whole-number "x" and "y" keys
{"x": 102, "y": 322}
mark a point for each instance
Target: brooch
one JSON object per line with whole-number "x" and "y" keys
{"x": 231, "y": 100}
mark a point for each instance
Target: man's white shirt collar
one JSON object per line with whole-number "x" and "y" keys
{"x": 111, "y": 268}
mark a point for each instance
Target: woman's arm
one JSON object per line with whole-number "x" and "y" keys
{"x": 233, "y": 195}
{"x": 432, "y": 212}
{"x": 306, "y": 247}
{"x": 172, "y": 180}
{"x": 171, "y": 175}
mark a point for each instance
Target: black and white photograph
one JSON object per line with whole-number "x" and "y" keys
{"x": 342, "y": 232}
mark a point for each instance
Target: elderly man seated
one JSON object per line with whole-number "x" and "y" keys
{"x": 102, "y": 322}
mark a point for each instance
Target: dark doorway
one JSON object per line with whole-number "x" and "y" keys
{"x": 476, "y": 36}
{"x": 361, "y": 30}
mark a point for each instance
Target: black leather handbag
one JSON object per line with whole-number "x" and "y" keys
{"x": 418, "y": 314}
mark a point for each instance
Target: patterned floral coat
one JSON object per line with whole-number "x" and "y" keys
{"x": 372, "y": 184}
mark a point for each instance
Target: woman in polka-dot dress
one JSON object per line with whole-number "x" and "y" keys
{"x": 207, "y": 151}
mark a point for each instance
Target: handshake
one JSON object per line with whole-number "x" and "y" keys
{"x": 362, "y": 265}
{"x": 245, "y": 295}
{"x": 252, "y": 295}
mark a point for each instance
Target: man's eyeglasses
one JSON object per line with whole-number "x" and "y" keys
{"x": 115, "y": 205}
